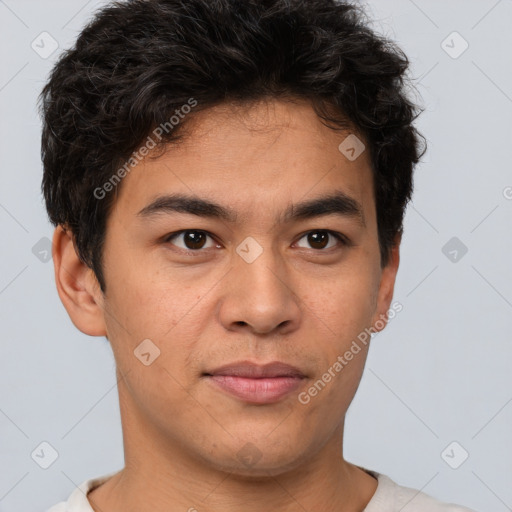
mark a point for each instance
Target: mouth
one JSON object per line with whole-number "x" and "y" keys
{"x": 256, "y": 384}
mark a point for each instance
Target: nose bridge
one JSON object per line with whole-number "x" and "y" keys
{"x": 259, "y": 267}
{"x": 259, "y": 294}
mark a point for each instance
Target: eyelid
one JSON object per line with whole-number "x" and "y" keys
{"x": 342, "y": 239}
{"x": 167, "y": 239}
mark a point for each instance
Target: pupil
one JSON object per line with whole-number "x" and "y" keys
{"x": 318, "y": 238}
{"x": 194, "y": 239}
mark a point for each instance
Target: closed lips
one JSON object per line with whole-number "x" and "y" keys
{"x": 251, "y": 370}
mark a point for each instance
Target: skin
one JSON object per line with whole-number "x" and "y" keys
{"x": 295, "y": 303}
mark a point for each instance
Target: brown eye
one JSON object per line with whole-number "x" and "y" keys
{"x": 319, "y": 239}
{"x": 192, "y": 239}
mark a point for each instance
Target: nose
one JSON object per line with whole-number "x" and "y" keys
{"x": 258, "y": 296}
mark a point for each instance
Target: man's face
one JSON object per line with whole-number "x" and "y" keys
{"x": 260, "y": 287}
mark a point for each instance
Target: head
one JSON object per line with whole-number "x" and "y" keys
{"x": 228, "y": 180}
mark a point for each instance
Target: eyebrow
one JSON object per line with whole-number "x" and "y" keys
{"x": 335, "y": 203}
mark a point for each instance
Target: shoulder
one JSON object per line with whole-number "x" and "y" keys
{"x": 393, "y": 497}
{"x": 60, "y": 507}
{"x": 77, "y": 501}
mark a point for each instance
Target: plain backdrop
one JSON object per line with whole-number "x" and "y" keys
{"x": 433, "y": 410}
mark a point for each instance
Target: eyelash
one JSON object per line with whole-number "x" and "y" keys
{"x": 342, "y": 239}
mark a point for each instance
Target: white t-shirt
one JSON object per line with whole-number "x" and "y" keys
{"x": 389, "y": 497}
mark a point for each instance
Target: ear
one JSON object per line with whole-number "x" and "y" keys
{"x": 77, "y": 286}
{"x": 387, "y": 286}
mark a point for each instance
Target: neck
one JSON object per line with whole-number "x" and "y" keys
{"x": 159, "y": 475}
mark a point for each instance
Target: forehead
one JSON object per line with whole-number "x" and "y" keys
{"x": 258, "y": 158}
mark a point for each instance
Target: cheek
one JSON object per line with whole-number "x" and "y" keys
{"x": 344, "y": 305}
{"x": 145, "y": 299}
{"x": 170, "y": 313}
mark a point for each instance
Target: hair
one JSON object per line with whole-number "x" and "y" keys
{"x": 139, "y": 61}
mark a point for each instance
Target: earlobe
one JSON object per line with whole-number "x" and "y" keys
{"x": 77, "y": 286}
{"x": 386, "y": 288}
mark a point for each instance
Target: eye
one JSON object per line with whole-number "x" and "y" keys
{"x": 191, "y": 239}
{"x": 319, "y": 239}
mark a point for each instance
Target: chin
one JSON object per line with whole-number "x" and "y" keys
{"x": 249, "y": 461}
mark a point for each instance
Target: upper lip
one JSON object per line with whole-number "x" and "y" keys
{"x": 257, "y": 371}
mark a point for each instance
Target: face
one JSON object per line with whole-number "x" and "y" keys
{"x": 262, "y": 277}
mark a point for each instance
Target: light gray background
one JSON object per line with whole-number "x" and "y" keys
{"x": 439, "y": 373}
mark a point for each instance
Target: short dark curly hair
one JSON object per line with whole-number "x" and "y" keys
{"x": 138, "y": 61}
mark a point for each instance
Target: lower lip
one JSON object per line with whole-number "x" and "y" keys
{"x": 257, "y": 391}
